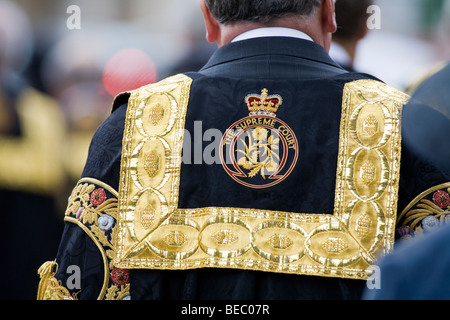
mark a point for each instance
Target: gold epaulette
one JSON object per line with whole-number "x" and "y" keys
{"x": 153, "y": 233}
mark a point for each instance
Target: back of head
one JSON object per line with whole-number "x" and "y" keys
{"x": 230, "y": 11}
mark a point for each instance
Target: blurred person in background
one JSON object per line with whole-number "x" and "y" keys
{"x": 31, "y": 133}
{"x": 271, "y": 173}
{"x": 351, "y": 18}
{"x": 197, "y": 54}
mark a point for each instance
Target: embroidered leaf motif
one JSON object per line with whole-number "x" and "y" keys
{"x": 88, "y": 216}
{"x": 118, "y": 293}
{"x": 255, "y": 171}
{"x": 100, "y": 236}
{"x": 73, "y": 208}
{"x": 110, "y": 254}
{"x": 112, "y": 293}
{"x": 259, "y": 155}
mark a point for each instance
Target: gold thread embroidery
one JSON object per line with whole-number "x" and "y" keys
{"x": 151, "y": 164}
{"x": 116, "y": 292}
{"x": 363, "y": 225}
{"x": 426, "y": 212}
{"x": 335, "y": 245}
{"x": 260, "y": 146}
{"x": 264, "y": 146}
{"x": 91, "y": 209}
{"x": 175, "y": 238}
{"x": 171, "y": 96}
{"x": 148, "y": 217}
{"x": 280, "y": 241}
{"x": 263, "y": 103}
{"x": 343, "y": 245}
{"x": 225, "y": 237}
{"x": 367, "y": 173}
{"x": 370, "y": 125}
{"x": 156, "y": 114}
{"x": 49, "y": 287}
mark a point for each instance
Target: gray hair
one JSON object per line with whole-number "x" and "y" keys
{"x": 229, "y": 11}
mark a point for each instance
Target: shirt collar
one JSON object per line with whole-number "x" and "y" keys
{"x": 272, "y": 32}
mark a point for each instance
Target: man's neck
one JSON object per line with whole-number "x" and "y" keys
{"x": 295, "y": 23}
{"x": 272, "y": 32}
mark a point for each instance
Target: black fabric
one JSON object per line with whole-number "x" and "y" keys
{"x": 105, "y": 151}
{"x": 84, "y": 254}
{"x": 312, "y": 108}
{"x": 311, "y": 86}
{"x": 272, "y": 58}
{"x": 226, "y": 284}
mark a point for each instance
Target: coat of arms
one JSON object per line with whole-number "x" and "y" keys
{"x": 259, "y": 151}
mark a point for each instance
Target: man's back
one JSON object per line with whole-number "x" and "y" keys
{"x": 242, "y": 164}
{"x": 271, "y": 173}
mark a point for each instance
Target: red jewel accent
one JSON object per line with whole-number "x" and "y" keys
{"x": 441, "y": 198}
{"x": 98, "y": 196}
{"x": 120, "y": 276}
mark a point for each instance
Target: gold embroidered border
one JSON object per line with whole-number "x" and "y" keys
{"x": 155, "y": 234}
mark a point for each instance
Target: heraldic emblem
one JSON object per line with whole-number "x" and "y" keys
{"x": 259, "y": 151}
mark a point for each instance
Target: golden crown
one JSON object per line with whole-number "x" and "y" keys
{"x": 263, "y": 104}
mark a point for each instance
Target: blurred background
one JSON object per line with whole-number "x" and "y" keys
{"x": 63, "y": 61}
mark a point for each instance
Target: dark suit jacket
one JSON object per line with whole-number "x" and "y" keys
{"x": 311, "y": 85}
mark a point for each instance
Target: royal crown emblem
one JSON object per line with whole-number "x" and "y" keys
{"x": 263, "y": 104}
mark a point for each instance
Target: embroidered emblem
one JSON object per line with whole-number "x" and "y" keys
{"x": 363, "y": 224}
{"x": 98, "y": 196}
{"x": 156, "y": 114}
{"x": 260, "y": 150}
{"x": 151, "y": 164}
{"x": 335, "y": 245}
{"x": 441, "y": 198}
{"x": 105, "y": 222}
{"x": 367, "y": 173}
{"x": 263, "y": 104}
{"x": 225, "y": 237}
{"x": 280, "y": 241}
{"x": 370, "y": 125}
{"x": 147, "y": 217}
{"x": 175, "y": 238}
{"x": 120, "y": 276}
